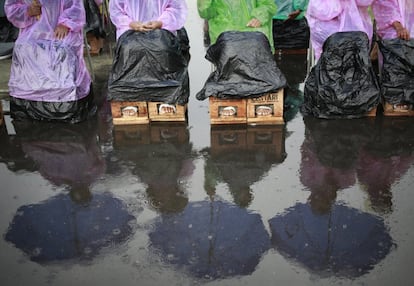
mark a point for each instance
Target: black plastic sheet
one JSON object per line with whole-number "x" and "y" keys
{"x": 244, "y": 67}
{"x": 342, "y": 84}
{"x": 150, "y": 66}
{"x": 397, "y": 76}
{"x": 69, "y": 112}
{"x": 291, "y": 34}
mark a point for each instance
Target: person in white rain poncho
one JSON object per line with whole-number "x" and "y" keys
{"x": 49, "y": 79}
{"x": 151, "y": 55}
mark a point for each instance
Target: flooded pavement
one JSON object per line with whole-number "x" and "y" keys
{"x": 312, "y": 202}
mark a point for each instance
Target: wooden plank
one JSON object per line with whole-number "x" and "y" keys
{"x": 180, "y": 114}
{"x": 271, "y": 101}
{"x": 129, "y": 112}
{"x": 218, "y": 108}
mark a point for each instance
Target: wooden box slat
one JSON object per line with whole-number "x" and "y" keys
{"x": 180, "y": 115}
{"x": 120, "y": 118}
{"x": 272, "y": 100}
{"x": 216, "y": 105}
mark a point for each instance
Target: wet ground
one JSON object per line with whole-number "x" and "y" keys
{"x": 312, "y": 202}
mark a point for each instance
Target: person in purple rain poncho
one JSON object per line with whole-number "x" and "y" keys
{"x": 395, "y": 28}
{"x": 149, "y": 64}
{"x": 49, "y": 79}
{"x": 326, "y": 17}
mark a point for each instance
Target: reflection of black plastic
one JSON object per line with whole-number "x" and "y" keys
{"x": 292, "y": 34}
{"x": 342, "y": 84}
{"x": 245, "y": 67}
{"x": 150, "y": 66}
{"x": 94, "y": 22}
{"x": 397, "y": 77}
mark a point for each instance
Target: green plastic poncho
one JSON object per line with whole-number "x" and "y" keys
{"x": 285, "y": 7}
{"x": 233, "y": 15}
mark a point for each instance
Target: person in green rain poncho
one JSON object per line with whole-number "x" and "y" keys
{"x": 237, "y": 15}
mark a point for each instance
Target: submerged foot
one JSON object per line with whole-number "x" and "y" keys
{"x": 228, "y": 111}
{"x": 166, "y": 109}
{"x": 129, "y": 111}
{"x": 264, "y": 110}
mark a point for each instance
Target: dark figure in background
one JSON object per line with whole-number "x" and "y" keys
{"x": 94, "y": 28}
{"x": 8, "y": 34}
{"x": 290, "y": 27}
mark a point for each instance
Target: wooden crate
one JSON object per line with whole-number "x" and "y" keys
{"x": 216, "y": 106}
{"x": 169, "y": 132}
{"x": 228, "y": 139}
{"x": 131, "y": 135}
{"x": 180, "y": 114}
{"x": 268, "y": 139}
{"x": 272, "y": 100}
{"x": 390, "y": 111}
{"x": 120, "y": 115}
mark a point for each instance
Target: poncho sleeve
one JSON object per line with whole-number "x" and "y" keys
{"x": 205, "y": 9}
{"x": 119, "y": 15}
{"x": 174, "y": 15}
{"x": 386, "y": 12}
{"x": 16, "y": 11}
{"x": 264, "y": 10}
{"x": 73, "y": 15}
{"x": 324, "y": 10}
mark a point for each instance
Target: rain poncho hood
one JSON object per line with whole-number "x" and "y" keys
{"x": 172, "y": 13}
{"x": 388, "y": 11}
{"x": 233, "y": 15}
{"x": 285, "y": 7}
{"x": 45, "y": 68}
{"x": 326, "y": 17}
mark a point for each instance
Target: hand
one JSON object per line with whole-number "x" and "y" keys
{"x": 137, "y": 26}
{"x": 153, "y": 25}
{"x": 293, "y": 15}
{"x": 402, "y": 32}
{"x": 61, "y": 31}
{"x": 254, "y": 23}
{"x": 35, "y": 9}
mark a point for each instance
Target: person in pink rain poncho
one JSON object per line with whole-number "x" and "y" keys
{"x": 327, "y": 17}
{"x": 49, "y": 79}
{"x": 395, "y": 28}
{"x": 150, "y": 62}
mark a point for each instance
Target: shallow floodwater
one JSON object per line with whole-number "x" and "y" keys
{"x": 312, "y": 202}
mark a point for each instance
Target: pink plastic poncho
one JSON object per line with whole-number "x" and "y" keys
{"x": 43, "y": 67}
{"x": 326, "y": 17}
{"x": 388, "y": 11}
{"x": 172, "y": 13}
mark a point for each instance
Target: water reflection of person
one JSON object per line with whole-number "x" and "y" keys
{"x": 64, "y": 155}
{"x": 330, "y": 154}
{"x": 162, "y": 164}
{"x": 48, "y": 78}
{"x": 385, "y": 160}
